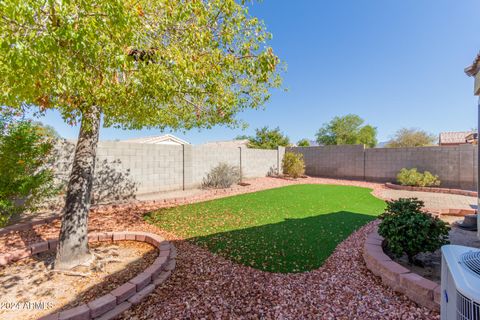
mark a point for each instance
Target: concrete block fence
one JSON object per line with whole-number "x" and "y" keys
{"x": 127, "y": 169}
{"x": 149, "y": 168}
{"x": 455, "y": 165}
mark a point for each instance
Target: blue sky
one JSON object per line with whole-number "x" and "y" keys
{"x": 395, "y": 63}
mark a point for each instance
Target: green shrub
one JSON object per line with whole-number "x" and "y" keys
{"x": 408, "y": 230}
{"x": 293, "y": 164}
{"x": 411, "y": 177}
{"x": 222, "y": 176}
{"x": 25, "y": 179}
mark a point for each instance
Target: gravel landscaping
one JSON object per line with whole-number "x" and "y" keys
{"x": 205, "y": 285}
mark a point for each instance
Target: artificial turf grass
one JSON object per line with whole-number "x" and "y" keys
{"x": 288, "y": 229}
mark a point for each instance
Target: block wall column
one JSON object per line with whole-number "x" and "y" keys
{"x": 280, "y": 155}
{"x": 187, "y": 166}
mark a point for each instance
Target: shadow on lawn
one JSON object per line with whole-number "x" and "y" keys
{"x": 293, "y": 245}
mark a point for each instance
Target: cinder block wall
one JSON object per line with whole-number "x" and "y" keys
{"x": 153, "y": 167}
{"x": 333, "y": 161}
{"x": 257, "y": 162}
{"x": 455, "y": 165}
{"x": 206, "y": 158}
{"x": 156, "y": 168}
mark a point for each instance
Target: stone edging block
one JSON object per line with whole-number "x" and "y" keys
{"x": 460, "y": 192}
{"x": 420, "y": 290}
{"x": 114, "y": 303}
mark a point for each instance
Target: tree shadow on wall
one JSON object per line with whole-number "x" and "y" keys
{"x": 111, "y": 183}
{"x": 293, "y": 245}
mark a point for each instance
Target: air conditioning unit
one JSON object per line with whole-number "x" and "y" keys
{"x": 460, "y": 287}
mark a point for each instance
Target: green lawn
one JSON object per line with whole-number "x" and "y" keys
{"x": 289, "y": 229}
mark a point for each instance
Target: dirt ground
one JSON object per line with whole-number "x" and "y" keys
{"x": 30, "y": 288}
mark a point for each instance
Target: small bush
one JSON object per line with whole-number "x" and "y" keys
{"x": 408, "y": 230}
{"x": 25, "y": 155}
{"x": 222, "y": 176}
{"x": 411, "y": 177}
{"x": 293, "y": 164}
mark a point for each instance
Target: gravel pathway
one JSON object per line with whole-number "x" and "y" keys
{"x": 207, "y": 286}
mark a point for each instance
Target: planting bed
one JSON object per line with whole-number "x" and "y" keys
{"x": 419, "y": 289}
{"x": 127, "y": 268}
{"x": 460, "y": 192}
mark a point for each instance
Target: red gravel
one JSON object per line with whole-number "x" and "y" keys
{"x": 207, "y": 286}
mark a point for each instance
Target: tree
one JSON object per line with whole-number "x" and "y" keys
{"x": 411, "y": 138}
{"x": 303, "y": 143}
{"x": 132, "y": 64}
{"x": 242, "y": 137}
{"x": 25, "y": 177}
{"x": 347, "y": 130}
{"x": 266, "y": 138}
{"x": 48, "y": 129}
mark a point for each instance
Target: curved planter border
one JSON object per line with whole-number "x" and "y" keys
{"x": 432, "y": 189}
{"x": 123, "y": 297}
{"x": 420, "y": 290}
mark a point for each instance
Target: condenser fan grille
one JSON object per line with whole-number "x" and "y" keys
{"x": 466, "y": 308}
{"x": 471, "y": 260}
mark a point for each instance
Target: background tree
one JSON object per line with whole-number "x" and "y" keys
{"x": 48, "y": 129}
{"x": 242, "y": 137}
{"x": 266, "y": 138}
{"x": 303, "y": 143}
{"x": 133, "y": 64}
{"x": 348, "y": 129}
{"x": 411, "y": 138}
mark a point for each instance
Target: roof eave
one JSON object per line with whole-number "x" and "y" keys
{"x": 474, "y": 68}
{"x": 471, "y": 71}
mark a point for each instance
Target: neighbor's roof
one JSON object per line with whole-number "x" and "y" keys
{"x": 454, "y": 137}
{"x": 472, "y": 138}
{"x": 227, "y": 143}
{"x": 473, "y": 69}
{"x": 157, "y": 140}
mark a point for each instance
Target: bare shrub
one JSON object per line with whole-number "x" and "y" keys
{"x": 222, "y": 176}
{"x": 293, "y": 165}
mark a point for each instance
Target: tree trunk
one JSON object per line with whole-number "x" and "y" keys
{"x": 73, "y": 248}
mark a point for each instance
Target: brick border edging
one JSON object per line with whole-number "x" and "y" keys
{"x": 111, "y": 305}
{"x": 459, "y": 192}
{"x": 420, "y": 290}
